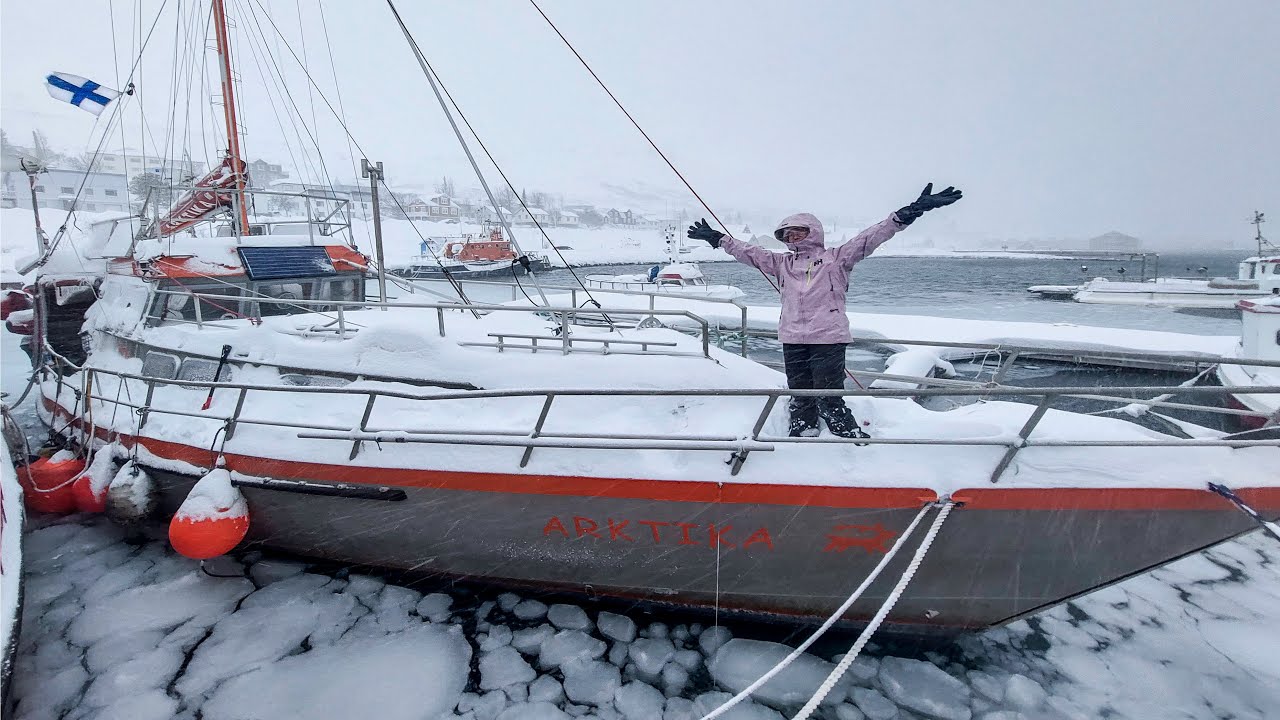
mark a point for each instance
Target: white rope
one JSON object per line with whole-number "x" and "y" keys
{"x": 847, "y": 660}
{"x": 835, "y": 616}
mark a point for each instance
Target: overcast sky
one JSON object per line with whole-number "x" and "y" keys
{"x": 1057, "y": 118}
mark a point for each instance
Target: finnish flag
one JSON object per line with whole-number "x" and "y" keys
{"x": 81, "y": 92}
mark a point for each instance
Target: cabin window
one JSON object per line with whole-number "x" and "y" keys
{"x": 283, "y": 292}
{"x": 66, "y": 190}
{"x": 202, "y": 370}
{"x": 1252, "y": 270}
{"x": 161, "y": 366}
{"x": 177, "y": 304}
{"x": 110, "y": 193}
{"x": 342, "y": 290}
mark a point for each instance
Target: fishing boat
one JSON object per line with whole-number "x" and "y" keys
{"x": 247, "y": 390}
{"x": 466, "y": 256}
{"x": 1260, "y": 338}
{"x": 1256, "y": 275}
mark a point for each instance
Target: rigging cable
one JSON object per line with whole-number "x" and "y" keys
{"x": 351, "y": 137}
{"x": 637, "y": 126}
{"x": 510, "y": 185}
{"x": 337, "y": 88}
{"x": 466, "y": 149}
{"x": 658, "y": 150}
{"x": 116, "y": 113}
{"x": 273, "y": 65}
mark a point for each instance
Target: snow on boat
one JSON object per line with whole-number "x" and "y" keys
{"x": 512, "y": 445}
{"x": 11, "y": 524}
{"x": 258, "y": 394}
{"x": 679, "y": 279}
{"x": 1259, "y": 338}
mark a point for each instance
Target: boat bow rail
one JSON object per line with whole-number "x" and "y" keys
{"x": 341, "y": 327}
{"x": 740, "y": 445}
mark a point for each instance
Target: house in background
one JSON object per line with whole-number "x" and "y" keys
{"x": 619, "y": 217}
{"x": 440, "y": 207}
{"x": 262, "y": 173}
{"x": 530, "y": 215}
{"x": 566, "y": 218}
{"x": 102, "y": 191}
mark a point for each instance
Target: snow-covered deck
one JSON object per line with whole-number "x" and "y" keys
{"x": 717, "y": 397}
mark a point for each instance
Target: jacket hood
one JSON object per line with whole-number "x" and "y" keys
{"x": 815, "y": 241}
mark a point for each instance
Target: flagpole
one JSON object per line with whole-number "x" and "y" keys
{"x": 229, "y": 113}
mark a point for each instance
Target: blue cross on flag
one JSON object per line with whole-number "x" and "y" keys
{"x": 81, "y": 92}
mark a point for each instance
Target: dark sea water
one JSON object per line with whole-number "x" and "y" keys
{"x": 984, "y": 288}
{"x": 995, "y": 289}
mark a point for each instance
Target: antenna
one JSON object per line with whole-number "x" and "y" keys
{"x": 1258, "y": 219}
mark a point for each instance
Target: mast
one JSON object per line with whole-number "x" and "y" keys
{"x": 229, "y": 113}
{"x": 1258, "y": 219}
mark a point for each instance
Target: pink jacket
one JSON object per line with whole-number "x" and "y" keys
{"x": 813, "y": 278}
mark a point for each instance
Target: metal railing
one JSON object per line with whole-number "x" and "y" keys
{"x": 161, "y": 198}
{"x": 340, "y": 325}
{"x": 739, "y": 445}
{"x": 576, "y": 291}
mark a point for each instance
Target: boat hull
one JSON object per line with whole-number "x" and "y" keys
{"x": 470, "y": 270}
{"x": 764, "y": 550}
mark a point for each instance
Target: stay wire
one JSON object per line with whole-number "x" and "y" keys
{"x": 509, "y": 184}
{"x": 339, "y": 117}
{"x": 337, "y": 88}
{"x": 637, "y": 127}
{"x": 457, "y": 286}
{"x": 116, "y": 112}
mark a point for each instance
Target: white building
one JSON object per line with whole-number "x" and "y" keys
{"x": 132, "y": 163}
{"x": 102, "y": 192}
{"x": 567, "y": 218}
{"x": 531, "y": 215}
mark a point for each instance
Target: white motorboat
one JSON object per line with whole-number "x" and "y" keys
{"x": 1258, "y": 275}
{"x": 1259, "y": 338}
{"x": 683, "y": 279}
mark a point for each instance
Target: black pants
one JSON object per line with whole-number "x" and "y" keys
{"x": 816, "y": 367}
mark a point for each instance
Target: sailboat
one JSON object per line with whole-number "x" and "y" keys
{"x": 254, "y": 391}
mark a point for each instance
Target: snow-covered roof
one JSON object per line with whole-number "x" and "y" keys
{"x": 567, "y": 213}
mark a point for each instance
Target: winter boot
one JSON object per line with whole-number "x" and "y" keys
{"x": 842, "y": 422}
{"x": 801, "y": 427}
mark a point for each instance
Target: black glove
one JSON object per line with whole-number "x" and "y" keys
{"x": 928, "y": 200}
{"x": 702, "y": 231}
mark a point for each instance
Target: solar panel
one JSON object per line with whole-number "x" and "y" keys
{"x": 273, "y": 263}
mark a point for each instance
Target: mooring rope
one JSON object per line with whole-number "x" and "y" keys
{"x": 835, "y": 616}
{"x": 847, "y": 660}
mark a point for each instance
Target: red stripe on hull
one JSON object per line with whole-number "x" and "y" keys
{"x": 1265, "y": 499}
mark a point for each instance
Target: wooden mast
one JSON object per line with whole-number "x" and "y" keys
{"x": 229, "y": 113}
